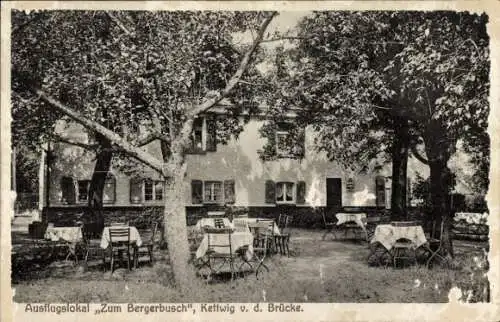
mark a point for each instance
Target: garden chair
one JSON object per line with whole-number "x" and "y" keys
{"x": 268, "y": 236}
{"x": 147, "y": 246}
{"x": 403, "y": 249}
{"x": 260, "y": 245}
{"x": 329, "y": 226}
{"x": 282, "y": 240}
{"x": 435, "y": 244}
{"x": 119, "y": 243}
{"x": 220, "y": 249}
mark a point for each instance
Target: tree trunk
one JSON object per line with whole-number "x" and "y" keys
{"x": 97, "y": 184}
{"x": 438, "y": 152}
{"x": 401, "y": 143}
{"x": 175, "y": 225}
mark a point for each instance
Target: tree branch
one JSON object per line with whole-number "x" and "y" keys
{"x": 76, "y": 143}
{"x": 237, "y": 76}
{"x": 417, "y": 155}
{"x": 121, "y": 143}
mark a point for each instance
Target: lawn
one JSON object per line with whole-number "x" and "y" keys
{"x": 317, "y": 271}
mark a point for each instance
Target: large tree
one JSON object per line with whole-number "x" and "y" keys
{"x": 148, "y": 79}
{"x": 390, "y": 83}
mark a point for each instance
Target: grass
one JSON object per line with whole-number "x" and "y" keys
{"x": 319, "y": 271}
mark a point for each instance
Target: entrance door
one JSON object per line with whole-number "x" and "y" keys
{"x": 334, "y": 192}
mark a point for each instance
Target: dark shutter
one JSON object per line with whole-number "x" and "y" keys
{"x": 196, "y": 192}
{"x": 380, "y": 191}
{"x": 300, "y": 146}
{"x": 211, "y": 128}
{"x": 135, "y": 190}
{"x": 270, "y": 192}
{"x": 229, "y": 191}
{"x": 301, "y": 192}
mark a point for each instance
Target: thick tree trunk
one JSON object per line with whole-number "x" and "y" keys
{"x": 98, "y": 182}
{"x": 438, "y": 152}
{"x": 401, "y": 143}
{"x": 175, "y": 223}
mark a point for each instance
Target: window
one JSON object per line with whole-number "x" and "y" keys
{"x": 282, "y": 148}
{"x": 285, "y": 192}
{"x": 109, "y": 192}
{"x": 83, "y": 190}
{"x": 153, "y": 190}
{"x": 68, "y": 190}
{"x": 213, "y": 192}
{"x": 203, "y": 136}
{"x": 197, "y": 135}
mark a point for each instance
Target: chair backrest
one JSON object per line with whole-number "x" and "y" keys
{"x": 219, "y": 223}
{"x": 269, "y": 223}
{"x": 284, "y": 221}
{"x": 219, "y": 238}
{"x": 216, "y": 214}
{"x": 240, "y": 225}
{"x": 434, "y": 232}
{"x": 350, "y": 217}
{"x": 121, "y": 235}
{"x": 260, "y": 228}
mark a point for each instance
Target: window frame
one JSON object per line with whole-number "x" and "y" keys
{"x": 284, "y": 184}
{"x": 212, "y": 191}
{"x": 79, "y": 193}
{"x": 194, "y": 148}
{"x": 153, "y": 190}
{"x": 281, "y": 151}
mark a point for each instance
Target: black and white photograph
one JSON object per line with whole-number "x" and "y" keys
{"x": 258, "y": 156}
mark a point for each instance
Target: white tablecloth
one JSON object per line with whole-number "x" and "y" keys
{"x": 472, "y": 217}
{"x": 238, "y": 239}
{"x": 211, "y": 223}
{"x": 69, "y": 234}
{"x": 358, "y": 218}
{"x": 387, "y": 235}
{"x": 240, "y": 222}
{"x": 135, "y": 238}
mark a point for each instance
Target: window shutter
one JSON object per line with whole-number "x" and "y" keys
{"x": 380, "y": 191}
{"x": 301, "y": 192}
{"x": 211, "y": 143}
{"x": 301, "y": 144}
{"x": 196, "y": 192}
{"x": 229, "y": 191}
{"x": 270, "y": 192}
{"x": 135, "y": 190}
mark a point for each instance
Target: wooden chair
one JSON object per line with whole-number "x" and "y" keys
{"x": 329, "y": 226}
{"x": 220, "y": 249}
{"x": 435, "y": 244}
{"x": 282, "y": 240}
{"x": 147, "y": 246}
{"x": 260, "y": 245}
{"x": 403, "y": 249}
{"x": 119, "y": 241}
{"x": 269, "y": 236}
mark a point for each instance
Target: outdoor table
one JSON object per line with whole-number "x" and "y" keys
{"x": 65, "y": 236}
{"x": 387, "y": 235}
{"x": 238, "y": 240}
{"x": 344, "y": 218}
{"x": 135, "y": 238}
{"x": 240, "y": 222}
{"x": 210, "y": 222}
{"x": 471, "y": 217}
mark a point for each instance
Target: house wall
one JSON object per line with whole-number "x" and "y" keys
{"x": 239, "y": 161}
